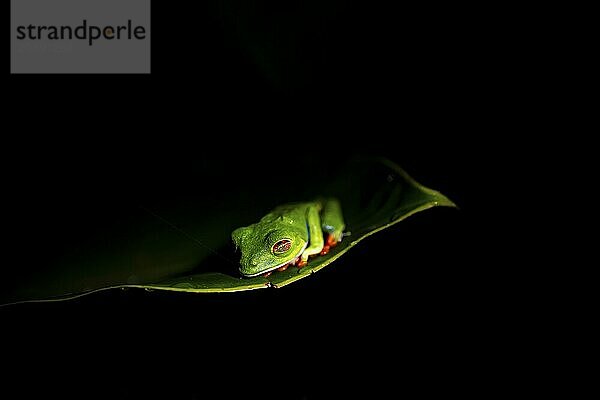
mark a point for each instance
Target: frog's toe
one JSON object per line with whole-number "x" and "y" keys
{"x": 325, "y": 249}
{"x": 283, "y": 267}
{"x": 331, "y": 241}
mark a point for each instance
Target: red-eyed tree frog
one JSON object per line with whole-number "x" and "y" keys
{"x": 288, "y": 236}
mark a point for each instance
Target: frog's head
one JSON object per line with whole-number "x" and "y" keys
{"x": 267, "y": 247}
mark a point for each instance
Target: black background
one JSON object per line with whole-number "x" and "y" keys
{"x": 410, "y": 83}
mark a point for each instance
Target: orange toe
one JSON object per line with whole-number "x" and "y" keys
{"x": 331, "y": 242}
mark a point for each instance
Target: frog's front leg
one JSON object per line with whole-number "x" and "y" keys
{"x": 315, "y": 244}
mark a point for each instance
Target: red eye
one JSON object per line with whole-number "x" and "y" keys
{"x": 282, "y": 246}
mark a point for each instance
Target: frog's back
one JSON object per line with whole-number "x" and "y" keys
{"x": 295, "y": 211}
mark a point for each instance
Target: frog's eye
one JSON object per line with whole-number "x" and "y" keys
{"x": 282, "y": 246}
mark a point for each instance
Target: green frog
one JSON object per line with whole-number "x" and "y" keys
{"x": 288, "y": 236}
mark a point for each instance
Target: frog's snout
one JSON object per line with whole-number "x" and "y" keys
{"x": 250, "y": 264}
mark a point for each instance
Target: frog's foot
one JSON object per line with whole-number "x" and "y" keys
{"x": 302, "y": 262}
{"x": 267, "y": 274}
{"x": 283, "y": 267}
{"x": 330, "y": 243}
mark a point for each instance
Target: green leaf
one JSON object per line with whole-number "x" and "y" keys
{"x": 186, "y": 246}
